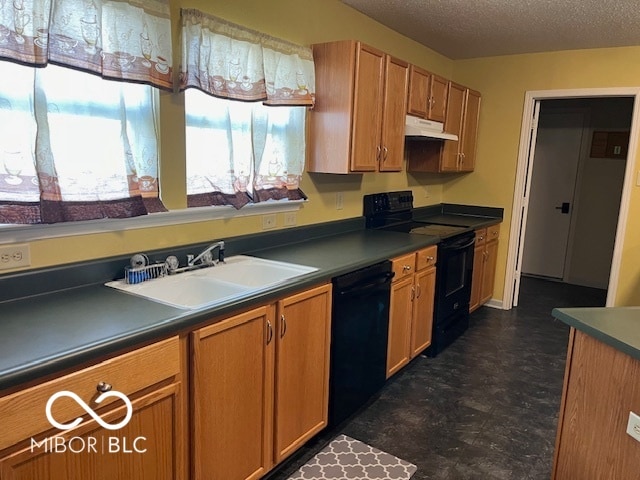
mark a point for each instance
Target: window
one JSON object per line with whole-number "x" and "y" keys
{"x": 239, "y": 152}
{"x": 72, "y": 140}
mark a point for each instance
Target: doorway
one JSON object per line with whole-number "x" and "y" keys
{"x": 565, "y": 122}
{"x": 576, "y": 189}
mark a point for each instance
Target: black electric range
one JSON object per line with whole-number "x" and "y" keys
{"x": 454, "y": 265}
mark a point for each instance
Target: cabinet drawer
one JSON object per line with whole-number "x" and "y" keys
{"x": 493, "y": 232}
{"x": 404, "y": 266}
{"x": 23, "y": 413}
{"x": 427, "y": 257}
{"x": 481, "y": 236}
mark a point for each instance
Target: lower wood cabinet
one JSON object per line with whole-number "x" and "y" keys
{"x": 260, "y": 386}
{"x": 411, "y": 307}
{"x": 485, "y": 257}
{"x": 150, "y": 445}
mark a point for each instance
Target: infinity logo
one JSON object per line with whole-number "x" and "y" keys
{"x": 89, "y": 410}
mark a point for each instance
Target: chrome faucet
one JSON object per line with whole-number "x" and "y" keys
{"x": 206, "y": 257}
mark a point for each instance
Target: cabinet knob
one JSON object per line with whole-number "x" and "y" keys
{"x": 406, "y": 268}
{"x": 429, "y": 259}
{"x": 103, "y": 387}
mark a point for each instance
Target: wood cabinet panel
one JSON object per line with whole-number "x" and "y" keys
{"x": 601, "y": 388}
{"x": 357, "y": 124}
{"x": 470, "y": 131}
{"x": 127, "y": 373}
{"x": 485, "y": 257}
{"x": 418, "y": 92}
{"x": 423, "y": 305}
{"x": 302, "y": 368}
{"x": 232, "y": 388}
{"x": 453, "y": 124}
{"x": 439, "y": 94}
{"x": 148, "y": 447}
{"x": 411, "y": 307}
{"x": 400, "y": 312}
{"x": 393, "y": 120}
{"x": 367, "y": 114}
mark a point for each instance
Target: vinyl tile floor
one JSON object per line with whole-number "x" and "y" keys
{"x": 487, "y": 407}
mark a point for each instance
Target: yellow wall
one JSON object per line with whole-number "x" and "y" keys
{"x": 300, "y": 21}
{"x": 503, "y": 82}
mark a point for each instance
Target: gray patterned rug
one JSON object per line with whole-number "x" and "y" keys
{"x": 348, "y": 459}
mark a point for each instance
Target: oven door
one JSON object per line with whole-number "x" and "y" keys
{"x": 453, "y": 279}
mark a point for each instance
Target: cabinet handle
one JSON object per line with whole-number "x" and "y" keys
{"x": 418, "y": 291}
{"x": 269, "y": 332}
{"x": 413, "y": 293}
{"x": 104, "y": 387}
{"x": 283, "y": 325}
{"x": 385, "y": 151}
{"x": 378, "y": 150}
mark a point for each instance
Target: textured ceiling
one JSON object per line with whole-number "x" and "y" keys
{"x": 479, "y": 28}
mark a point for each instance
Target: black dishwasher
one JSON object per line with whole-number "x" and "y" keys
{"x": 359, "y": 331}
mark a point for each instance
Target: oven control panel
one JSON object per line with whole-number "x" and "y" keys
{"x": 388, "y": 202}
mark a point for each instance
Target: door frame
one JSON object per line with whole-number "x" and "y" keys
{"x": 521, "y": 202}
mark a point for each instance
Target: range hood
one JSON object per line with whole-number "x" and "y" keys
{"x": 426, "y": 129}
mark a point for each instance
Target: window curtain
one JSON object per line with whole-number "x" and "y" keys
{"x": 241, "y": 152}
{"x": 75, "y": 147}
{"x": 124, "y": 40}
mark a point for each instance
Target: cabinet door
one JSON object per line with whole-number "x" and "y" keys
{"x": 400, "y": 311}
{"x": 423, "y": 303}
{"x": 438, "y": 98}
{"x": 476, "y": 279}
{"x": 453, "y": 124}
{"x": 367, "y": 110}
{"x": 489, "y": 271}
{"x": 394, "y": 112}
{"x": 418, "y": 96}
{"x": 146, "y": 448}
{"x": 302, "y": 368}
{"x": 232, "y": 388}
{"x": 470, "y": 131}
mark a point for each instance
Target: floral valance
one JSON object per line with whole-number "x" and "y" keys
{"x": 230, "y": 61}
{"x": 125, "y": 40}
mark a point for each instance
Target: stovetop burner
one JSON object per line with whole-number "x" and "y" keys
{"x": 394, "y": 211}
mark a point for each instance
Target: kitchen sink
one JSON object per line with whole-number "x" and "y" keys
{"x": 239, "y": 276}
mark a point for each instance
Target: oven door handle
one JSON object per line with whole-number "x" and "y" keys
{"x": 458, "y": 246}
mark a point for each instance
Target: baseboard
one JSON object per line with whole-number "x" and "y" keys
{"x": 494, "y": 303}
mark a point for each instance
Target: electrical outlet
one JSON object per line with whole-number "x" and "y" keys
{"x": 339, "y": 201}
{"x": 14, "y": 256}
{"x": 290, "y": 219}
{"x": 269, "y": 221}
{"x": 633, "y": 427}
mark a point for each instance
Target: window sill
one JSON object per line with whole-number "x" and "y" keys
{"x": 27, "y": 233}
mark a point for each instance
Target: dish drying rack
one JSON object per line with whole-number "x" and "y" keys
{"x": 140, "y": 271}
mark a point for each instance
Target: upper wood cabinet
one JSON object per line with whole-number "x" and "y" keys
{"x": 463, "y": 110}
{"x": 357, "y": 123}
{"x": 427, "y": 97}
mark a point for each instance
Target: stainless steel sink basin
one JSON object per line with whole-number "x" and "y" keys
{"x": 239, "y": 276}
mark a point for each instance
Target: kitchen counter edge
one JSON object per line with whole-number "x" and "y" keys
{"x": 618, "y": 327}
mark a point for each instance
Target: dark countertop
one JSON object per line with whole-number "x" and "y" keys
{"x": 46, "y": 331}
{"x": 618, "y": 327}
